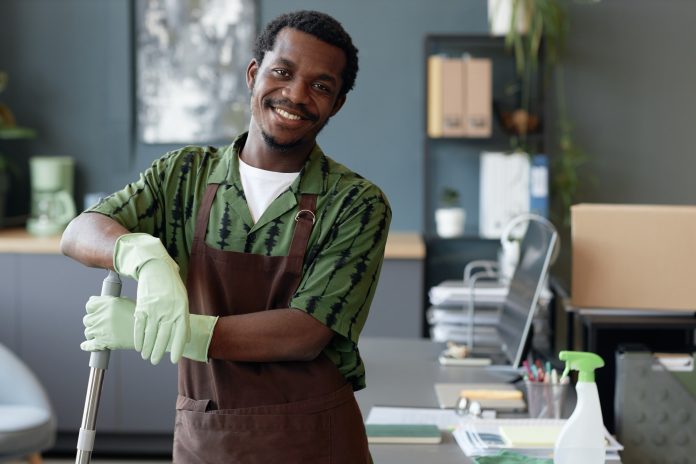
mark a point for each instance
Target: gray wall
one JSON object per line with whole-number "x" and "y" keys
{"x": 71, "y": 78}
{"x": 630, "y": 75}
{"x": 631, "y": 89}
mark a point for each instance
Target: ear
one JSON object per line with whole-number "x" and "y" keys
{"x": 251, "y": 72}
{"x": 339, "y": 103}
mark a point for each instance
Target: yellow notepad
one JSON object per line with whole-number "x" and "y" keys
{"x": 530, "y": 436}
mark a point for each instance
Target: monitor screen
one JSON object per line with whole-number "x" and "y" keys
{"x": 527, "y": 282}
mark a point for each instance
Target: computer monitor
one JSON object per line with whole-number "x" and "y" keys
{"x": 536, "y": 251}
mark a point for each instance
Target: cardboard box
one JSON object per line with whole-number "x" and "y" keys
{"x": 634, "y": 257}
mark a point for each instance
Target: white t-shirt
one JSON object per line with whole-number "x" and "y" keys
{"x": 261, "y": 187}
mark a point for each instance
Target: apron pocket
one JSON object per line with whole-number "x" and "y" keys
{"x": 214, "y": 437}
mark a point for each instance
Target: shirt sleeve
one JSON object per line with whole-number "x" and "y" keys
{"x": 340, "y": 280}
{"x": 138, "y": 206}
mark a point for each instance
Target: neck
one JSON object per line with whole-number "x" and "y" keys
{"x": 258, "y": 153}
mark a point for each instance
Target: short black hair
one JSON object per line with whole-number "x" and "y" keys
{"x": 321, "y": 26}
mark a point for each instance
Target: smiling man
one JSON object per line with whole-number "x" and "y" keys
{"x": 256, "y": 266}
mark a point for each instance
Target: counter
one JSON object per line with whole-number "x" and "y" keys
{"x": 400, "y": 245}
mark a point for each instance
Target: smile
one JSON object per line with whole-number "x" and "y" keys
{"x": 286, "y": 115}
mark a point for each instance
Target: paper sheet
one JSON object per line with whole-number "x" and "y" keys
{"x": 445, "y": 419}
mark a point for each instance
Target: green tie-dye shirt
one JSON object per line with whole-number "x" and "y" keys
{"x": 344, "y": 254}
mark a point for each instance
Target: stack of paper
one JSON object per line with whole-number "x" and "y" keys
{"x": 532, "y": 437}
{"x": 456, "y": 293}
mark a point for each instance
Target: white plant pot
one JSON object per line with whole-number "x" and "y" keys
{"x": 449, "y": 222}
{"x": 500, "y": 17}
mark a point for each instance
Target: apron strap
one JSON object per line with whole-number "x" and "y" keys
{"x": 304, "y": 219}
{"x": 204, "y": 213}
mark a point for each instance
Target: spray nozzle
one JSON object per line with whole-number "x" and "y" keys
{"x": 583, "y": 362}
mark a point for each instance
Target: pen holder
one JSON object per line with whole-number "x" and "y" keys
{"x": 545, "y": 400}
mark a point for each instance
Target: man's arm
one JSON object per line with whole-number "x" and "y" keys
{"x": 90, "y": 239}
{"x": 274, "y": 335}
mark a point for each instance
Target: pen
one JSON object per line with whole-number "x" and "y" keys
{"x": 540, "y": 370}
{"x": 525, "y": 364}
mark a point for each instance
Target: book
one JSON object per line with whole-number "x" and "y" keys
{"x": 448, "y": 394}
{"x": 403, "y": 433}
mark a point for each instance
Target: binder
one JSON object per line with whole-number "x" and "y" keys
{"x": 504, "y": 190}
{"x": 435, "y": 95}
{"x": 459, "y": 93}
{"x": 539, "y": 185}
{"x": 454, "y": 111}
{"x": 477, "y": 76}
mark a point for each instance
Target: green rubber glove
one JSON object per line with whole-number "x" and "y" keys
{"x": 110, "y": 322}
{"x": 161, "y": 311}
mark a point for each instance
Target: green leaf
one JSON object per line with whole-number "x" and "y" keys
{"x": 15, "y": 132}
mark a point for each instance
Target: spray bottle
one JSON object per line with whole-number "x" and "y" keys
{"x": 581, "y": 440}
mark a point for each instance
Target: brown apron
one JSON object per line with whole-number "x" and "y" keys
{"x": 250, "y": 412}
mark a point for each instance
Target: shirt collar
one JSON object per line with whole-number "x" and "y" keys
{"x": 313, "y": 177}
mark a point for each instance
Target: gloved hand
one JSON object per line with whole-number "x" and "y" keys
{"x": 161, "y": 311}
{"x": 108, "y": 324}
{"x": 110, "y": 321}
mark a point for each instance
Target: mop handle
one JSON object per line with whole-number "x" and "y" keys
{"x": 98, "y": 363}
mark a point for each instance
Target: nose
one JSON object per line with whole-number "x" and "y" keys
{"x": 296, "y": 91}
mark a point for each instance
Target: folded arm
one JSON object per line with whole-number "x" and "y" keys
{"x": 274, "y": 335}
{"x": 90, "y": 239}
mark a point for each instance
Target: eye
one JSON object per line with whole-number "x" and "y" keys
{"x": 321, "y": 87}
{"x": 281, "y": 72}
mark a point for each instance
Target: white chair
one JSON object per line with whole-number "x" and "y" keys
{"x": 27, "y": 421}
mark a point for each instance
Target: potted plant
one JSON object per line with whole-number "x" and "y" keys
{"x": 449, "y": 217}
{"x": 9, "y": 130}
{"x": 546, "y": 31}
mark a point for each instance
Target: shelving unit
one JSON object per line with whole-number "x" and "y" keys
{"x": 454, "y": 161}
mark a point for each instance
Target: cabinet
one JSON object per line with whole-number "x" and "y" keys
{"x": 42, "y": 305}
{"x": 454, "y": 161}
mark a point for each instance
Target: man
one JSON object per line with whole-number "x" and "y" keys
{"x": 280, "y": 248}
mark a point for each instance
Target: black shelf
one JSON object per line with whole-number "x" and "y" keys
{"x": 454, "y": 161}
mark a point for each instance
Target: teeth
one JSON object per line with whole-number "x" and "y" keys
{"x": 287, "y": 115}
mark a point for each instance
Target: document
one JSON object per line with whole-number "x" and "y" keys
{"x": 532, "y": 437}
{"x": 444, "y": 419}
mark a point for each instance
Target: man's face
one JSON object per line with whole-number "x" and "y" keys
{"x": 294, "y": 91}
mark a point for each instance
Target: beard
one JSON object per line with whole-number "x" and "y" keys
{"x": 272, "y": 143}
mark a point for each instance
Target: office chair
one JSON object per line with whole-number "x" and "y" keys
{"x": 27, "y": 421}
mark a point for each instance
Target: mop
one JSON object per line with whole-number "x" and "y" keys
{"x": 98, "y": 363}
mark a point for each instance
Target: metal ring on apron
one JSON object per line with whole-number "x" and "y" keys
{"x": 299, "y": 213}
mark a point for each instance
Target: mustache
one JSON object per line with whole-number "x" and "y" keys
{"x": 299, "y": 109}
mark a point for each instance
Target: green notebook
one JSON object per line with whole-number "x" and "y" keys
{"x": 403, "y": 433}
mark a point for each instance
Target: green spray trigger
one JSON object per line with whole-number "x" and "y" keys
{"x": 583, "y": 362}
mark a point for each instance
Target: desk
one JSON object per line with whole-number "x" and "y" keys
{"x": 402, "y": 372}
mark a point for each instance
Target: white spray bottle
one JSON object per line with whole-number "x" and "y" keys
{"x": 581, "y": 440}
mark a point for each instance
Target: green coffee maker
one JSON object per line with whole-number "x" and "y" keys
{"x": 52, "y": 204}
